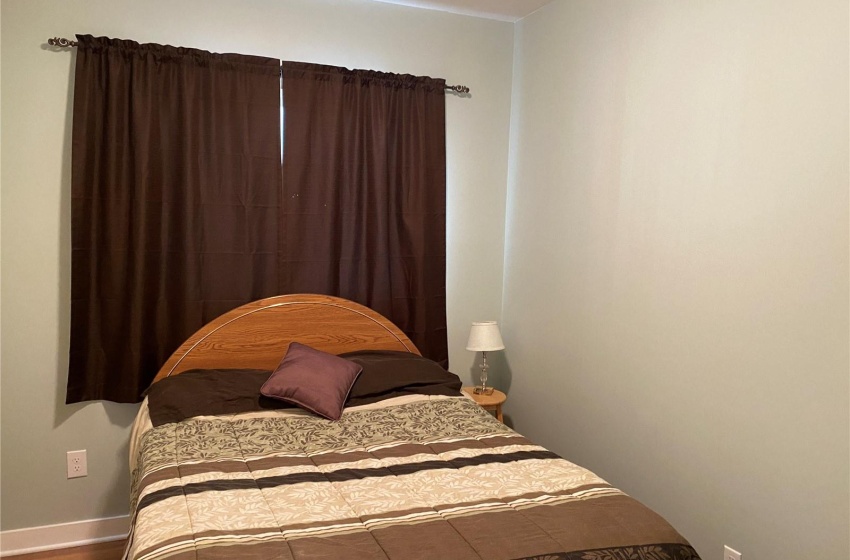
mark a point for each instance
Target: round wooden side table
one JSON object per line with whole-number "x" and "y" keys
{"x": 492, "y": 402}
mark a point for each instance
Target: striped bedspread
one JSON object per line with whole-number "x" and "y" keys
{"x": 437, "y": 478}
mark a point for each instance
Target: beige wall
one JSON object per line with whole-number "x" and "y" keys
{"x": 676, "y": 290}
{"x": 37, "y": 428}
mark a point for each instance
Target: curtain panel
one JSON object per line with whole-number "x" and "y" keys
{"x": 175, "y": 199}
{"x": 364, "y": 194}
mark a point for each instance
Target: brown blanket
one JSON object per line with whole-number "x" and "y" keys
{"x": 434, "y": 479}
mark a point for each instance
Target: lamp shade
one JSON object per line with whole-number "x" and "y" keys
{"x": 484, "y": 337}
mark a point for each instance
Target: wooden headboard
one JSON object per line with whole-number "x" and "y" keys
{"x": 257, "y": 334}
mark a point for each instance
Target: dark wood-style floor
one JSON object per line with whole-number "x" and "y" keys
{"x": 101, "y": 551}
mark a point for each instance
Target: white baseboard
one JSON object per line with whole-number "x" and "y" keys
{"x": 63, "y": 535}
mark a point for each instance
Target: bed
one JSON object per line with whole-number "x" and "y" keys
{"x": 412, "y": 468}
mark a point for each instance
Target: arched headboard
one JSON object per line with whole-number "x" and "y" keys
{"x": 257, "y": 334}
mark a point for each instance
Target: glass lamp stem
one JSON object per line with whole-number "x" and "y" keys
{"x": 483, "y": 389}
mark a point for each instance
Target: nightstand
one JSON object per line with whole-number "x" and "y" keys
{"x": 493, "y": 402}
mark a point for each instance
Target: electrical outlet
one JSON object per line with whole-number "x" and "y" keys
{"x": 731, "y": 554}
{"x": 77, "y": 464}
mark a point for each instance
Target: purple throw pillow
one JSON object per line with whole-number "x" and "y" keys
{"x": 312, "y": 379}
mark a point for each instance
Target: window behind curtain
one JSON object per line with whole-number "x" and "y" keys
{"x": 175, "y": 202}
{"x": 364, "y": 194}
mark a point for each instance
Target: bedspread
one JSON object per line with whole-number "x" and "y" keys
{"x": 434, "y": 479}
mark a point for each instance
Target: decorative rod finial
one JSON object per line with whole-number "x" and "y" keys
{"x": 60, "y": 42}
{"x": 458, "y": 89}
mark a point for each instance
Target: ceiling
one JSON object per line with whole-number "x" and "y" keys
{"x": 505, "y": 10}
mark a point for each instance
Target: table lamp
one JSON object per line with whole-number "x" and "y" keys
{"x": 484, "y": 337}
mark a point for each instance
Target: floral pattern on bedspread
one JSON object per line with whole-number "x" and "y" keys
{"x": 437, "y": 478}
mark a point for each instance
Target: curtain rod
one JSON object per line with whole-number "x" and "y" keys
{"x": 66, "y": 43}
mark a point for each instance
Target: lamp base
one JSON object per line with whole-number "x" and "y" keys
{"x": 479, "y": 390}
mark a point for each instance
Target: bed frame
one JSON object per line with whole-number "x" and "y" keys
{"x": 257, "y": 334}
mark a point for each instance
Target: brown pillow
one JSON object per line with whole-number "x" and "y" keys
{"x": 314, "y": 380}
{"x": 390, "y": 373}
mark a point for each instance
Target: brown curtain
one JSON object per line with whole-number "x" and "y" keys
{"x": 364, "y": 194}
{"x": 175, "y": 201}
